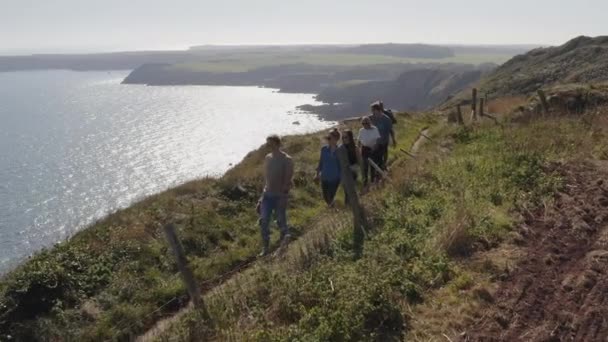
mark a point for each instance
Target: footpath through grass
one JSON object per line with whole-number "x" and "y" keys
{"x": 459, "y": 197}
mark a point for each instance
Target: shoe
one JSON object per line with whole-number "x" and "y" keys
{"x": 263, "y": 253}
{"x": 285, "y": 239}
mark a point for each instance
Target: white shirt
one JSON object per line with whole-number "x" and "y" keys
{"x": 369, "y": 137}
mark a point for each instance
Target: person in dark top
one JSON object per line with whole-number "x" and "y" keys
{"x": 391, "y": 116}
{"x": 388, "y": 112}
{"x": 348, "y": 141}
{"x": 328, "y": 170}
{"x": 385, "y": 128}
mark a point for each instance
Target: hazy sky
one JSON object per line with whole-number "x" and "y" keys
{"x": 89, "y": 25}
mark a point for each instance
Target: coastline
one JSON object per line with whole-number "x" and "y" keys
{"x": 52, "y": 215}
{"x": 215, "y": 220}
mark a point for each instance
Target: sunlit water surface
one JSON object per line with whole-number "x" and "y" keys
{"x": 76, "y": 146}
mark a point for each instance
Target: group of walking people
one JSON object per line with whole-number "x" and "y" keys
{"x": 370, "y": 147}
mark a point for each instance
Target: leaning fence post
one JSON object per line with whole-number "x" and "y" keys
{"x": 474, "y": 105}
{"x": 543, "y": 101}
{"x": 348, "y": 182}
{"x": 184, "y": 270}
{"x": 481, "y": 109}
{"x": 459, "y": 115}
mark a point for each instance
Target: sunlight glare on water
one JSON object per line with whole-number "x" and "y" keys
{"x": 75, "y": 146}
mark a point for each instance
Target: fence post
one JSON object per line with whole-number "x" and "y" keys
{"x": 543, "y": 101}
{"x": 184, "y": 270}
{"x": 348, "y": 182}
{"x": 481, "y": 109}
{"x": 474, "y": 105}
{"x": 459, "y": 115}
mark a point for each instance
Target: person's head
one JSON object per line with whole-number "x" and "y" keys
{"x": 347, "y": 137}
{"x": 333, "y": 137}
{"x": 376, "y": 108}
{"x": 366, "y": 122}
{"x": 273, "y": 142}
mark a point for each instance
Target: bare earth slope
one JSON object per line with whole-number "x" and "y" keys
{"x": 559, "y": 291}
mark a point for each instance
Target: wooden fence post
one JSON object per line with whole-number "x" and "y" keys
{"x": 481, "y": 109}
{"x": 459, "y": 115}
{"x": 184, "y": 270}
{"x": 543, "y": 101}
{"x": 378, "y": 169}
{"x": 474, "y": 105}
{"x": 348, "y": 182}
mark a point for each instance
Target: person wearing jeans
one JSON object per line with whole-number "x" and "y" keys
{"x": 278, "y": 174}
{"x": 368, "y": 141}
{"x": 328, "y": 170}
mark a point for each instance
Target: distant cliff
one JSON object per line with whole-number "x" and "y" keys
{"x": 401, "y": 86}
{"x": 413, "y": 90}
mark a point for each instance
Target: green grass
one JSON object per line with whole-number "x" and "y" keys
{"x": 438, "y": 211}
{"x": 247, "y": 62}
{"x": 108, "y": 280}
{"x": 459, "y": 196}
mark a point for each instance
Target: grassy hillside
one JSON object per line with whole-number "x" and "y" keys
{"x": 580, "y": 60}
{"x": 107, "y": 280}
{"x": 461, "y": 197}
{"x": 427, "y": 265}
{"x": 116, "y": 278}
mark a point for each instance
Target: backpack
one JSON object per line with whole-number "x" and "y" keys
{"x": 391, "y": 115}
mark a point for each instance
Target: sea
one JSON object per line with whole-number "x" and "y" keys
{"x": 76, "y": 146}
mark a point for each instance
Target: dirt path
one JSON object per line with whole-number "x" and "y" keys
{"x": 559, "y": 291}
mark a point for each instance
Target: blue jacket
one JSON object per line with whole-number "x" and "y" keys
{"x": 329, "y": 165}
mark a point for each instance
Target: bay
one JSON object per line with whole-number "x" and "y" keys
{"x": 75, "y": 146}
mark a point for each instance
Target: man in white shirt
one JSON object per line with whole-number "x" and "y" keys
{"x": 368, "y": 142}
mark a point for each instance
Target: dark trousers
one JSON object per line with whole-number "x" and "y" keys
{"x": 330, "y": 188}
{"x": 383, "y": 154}
{"x": 366, "y": 154}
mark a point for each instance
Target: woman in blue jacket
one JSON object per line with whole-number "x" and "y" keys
{"x": 328, "y": 170}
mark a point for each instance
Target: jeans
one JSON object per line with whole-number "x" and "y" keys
{"x": 278, "y": 204}
{"x": 330, "y": 188}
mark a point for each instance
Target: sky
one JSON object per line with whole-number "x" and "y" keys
{"x": 31, "y": 26}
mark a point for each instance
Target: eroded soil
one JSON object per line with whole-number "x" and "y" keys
{"x": 559, "y": 290}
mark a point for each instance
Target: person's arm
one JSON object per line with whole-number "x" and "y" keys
{"x": 319, "y": 166}
{"x": 288, "y": 176}
{"x": 392, "y": 132}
